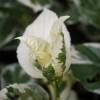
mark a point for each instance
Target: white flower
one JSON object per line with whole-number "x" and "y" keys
{"x": 45, "y": 44}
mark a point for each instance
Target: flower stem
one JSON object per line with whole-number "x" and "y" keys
{"x": 54, "y": 89}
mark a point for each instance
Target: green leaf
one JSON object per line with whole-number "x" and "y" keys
{"x": 5, "y": 29}
{"x": 86, "y": 11}
{"x": 13, "y": 74}
{"x": 24, "y": 92}
{"x": 12, "y": 20}
{"x": 86, "y": 65}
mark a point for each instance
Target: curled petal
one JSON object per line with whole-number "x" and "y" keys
{"x": 68, "y": 46}
{"x": 60, "y": 43}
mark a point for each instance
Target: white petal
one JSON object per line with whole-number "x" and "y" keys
{"x": 64, "y": 18}
{"x": 26, "y": 61}
{"x": 68, "y": 46}
{"x": 57, "y": 28}
{"x": 65, "y": 31}
{"x": 39, "y": 28}
{"x": 42, "y": 25}
{"x": 56, "y": 46}
{"x": 39, "y": 48}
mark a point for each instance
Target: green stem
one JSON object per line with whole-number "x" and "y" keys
{"x": 54, "y": 89}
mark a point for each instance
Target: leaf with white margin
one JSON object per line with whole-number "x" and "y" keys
{"x": 24, "y": 92}
{"x": 11, "y": 74}
{"x": 86, "y": 67}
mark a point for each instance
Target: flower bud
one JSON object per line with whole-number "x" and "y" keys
{"x": 48, "y": 52}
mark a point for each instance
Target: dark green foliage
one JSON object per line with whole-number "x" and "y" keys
{"x": 12, "y": 94}
{"x": 49, "y": 72}
{"x": 13, "y": 74}
{"x": 88, "y": 72}
{"x": 87, "y": 13}
{"x": 25, "y": 92}
{"x": 13, "y": 20}
{"x": 62, "y": 54}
